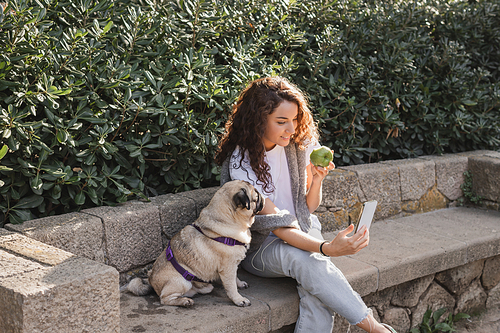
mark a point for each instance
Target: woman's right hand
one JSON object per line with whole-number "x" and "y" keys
{"x": 343, "y": 245}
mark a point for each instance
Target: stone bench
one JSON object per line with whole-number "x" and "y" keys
{"x": 446, "y": 258}
{"x": 130, "y": 236}
{"x": 46, "y": 289}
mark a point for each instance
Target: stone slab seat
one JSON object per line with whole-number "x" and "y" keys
{"x": 46, "y": 289}
{"x": 400, "y": 250}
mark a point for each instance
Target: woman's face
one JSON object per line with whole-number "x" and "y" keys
{"x": 281, "y": 124}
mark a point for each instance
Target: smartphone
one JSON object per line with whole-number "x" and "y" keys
{"x": 366, "y": 215}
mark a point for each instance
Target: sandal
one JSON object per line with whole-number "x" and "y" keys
{"x": 392, "y": 330}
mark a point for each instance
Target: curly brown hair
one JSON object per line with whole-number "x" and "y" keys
{"x": 247, "y": 124}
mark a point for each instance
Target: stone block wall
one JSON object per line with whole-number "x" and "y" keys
{"x": 406, "y": 187}
{"x": 465, "y": 289}
{"x": 133, "y": 234}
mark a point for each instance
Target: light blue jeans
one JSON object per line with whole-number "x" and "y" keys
{"x": 323, "y": 289}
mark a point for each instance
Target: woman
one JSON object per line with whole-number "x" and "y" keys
{"x": 267, "y": 142}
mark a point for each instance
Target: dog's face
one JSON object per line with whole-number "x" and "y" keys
{"x": 244, "y": 198}
{"x": 247, "y": 197}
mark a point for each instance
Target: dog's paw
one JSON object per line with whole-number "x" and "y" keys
{"x": 243, "y": 302}
{"x": 242, "y": 284}
{"x": 187, "y": 302}
{"x": 178, "y": 301}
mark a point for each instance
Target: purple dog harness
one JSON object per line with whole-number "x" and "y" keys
{"x": 223, "y": 240}
{"x": 185, "y": 274}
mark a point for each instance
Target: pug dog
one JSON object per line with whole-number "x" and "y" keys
{"x": 209, "y": 249}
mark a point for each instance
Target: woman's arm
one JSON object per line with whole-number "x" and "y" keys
{"x": 341, "y": 245}
{"x": 315, "y": 176}
{"x": 269, "y": 208}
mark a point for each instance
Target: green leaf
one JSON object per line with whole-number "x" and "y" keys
{"x": 107, "y": 27}
{"x": 62, "y": 136}
{"x": 36, "y": 183}
{"x": 150, "y": 77}
{"x": 19, "y": 216}
{"x": 80, "y": 198}
{"x": 469, "y": 102}
{"x": 29, "y": 202}
{"x": 427, "y": 316}
{"x": 444, "y": 327}
{"x": 437, "y": 314}
{"x": 6, "y": 133}
{"x": 3, "y": 151}
{"x": 460, "y": 316}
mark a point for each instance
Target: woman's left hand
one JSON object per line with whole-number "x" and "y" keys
{"x": 343, "y": 245}
{"x": 319, "y": 173}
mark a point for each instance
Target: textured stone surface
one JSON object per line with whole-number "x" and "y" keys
{"x": 493, "y": 300}
{"x": 11, "y": 266}
{"x": 78, "y": 233}
{"x": 472, "y": 300}
{"x": 473, "y": 153}
{"x": 487, "y": 322}
{"x": 477, "y": 228}
{"x": 435, "y": 298}
{"x": 379, "y": 300}
{"x": 331, "y": 221}
{"x": 175, "y": 213}
{"x": 431, "y": 200}
{"x": 398, "y": 318}
{"x": 133, "y": 233}
{"x": 491, "y": 272}
{"x": 200, "y": 197}
{"x": 64, "y": 294}
{"x": 450, "y": 174}
{"x": 380, "y": 182}
{"x": 416, "y": 176}
{"x": 458, "y": 279}
{"x": 486, "y": 176}
{"x": 280, "y": 296}
{"x": 341, "y": 189}
{"x": 30, "y": 248}
{"x": 402, "y": 252}
{"x": 407, "y": 294}
{"x": 342, "y": 197}
{"x": 274, "y": 304}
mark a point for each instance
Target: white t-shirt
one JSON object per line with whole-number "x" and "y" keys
{"x": 280, "y": 175}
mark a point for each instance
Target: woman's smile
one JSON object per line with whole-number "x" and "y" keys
{"x": 281, "y": 125}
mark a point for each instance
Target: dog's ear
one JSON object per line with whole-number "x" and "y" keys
{"x": 241, "y": 199}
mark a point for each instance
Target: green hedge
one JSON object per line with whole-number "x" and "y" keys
{"x": 102, "y": 101}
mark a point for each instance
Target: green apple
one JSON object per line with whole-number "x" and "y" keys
{"x": 321, "y": 156}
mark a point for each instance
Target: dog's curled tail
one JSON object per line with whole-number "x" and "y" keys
{"x": 138, "y": 286}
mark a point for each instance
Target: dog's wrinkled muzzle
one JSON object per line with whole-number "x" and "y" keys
{"x": 260, "y": 203}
